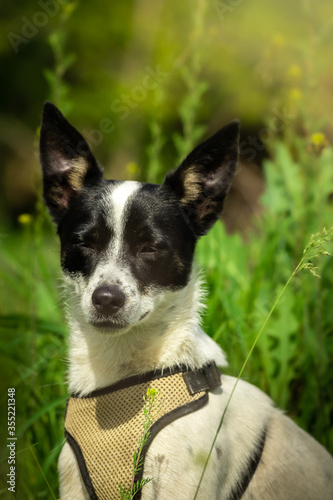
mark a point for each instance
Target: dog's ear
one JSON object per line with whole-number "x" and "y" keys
{"x": 68, "y": 164}
{"x": 202, "y": 181}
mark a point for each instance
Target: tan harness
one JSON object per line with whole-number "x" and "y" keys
{"x": 104, "y": 427}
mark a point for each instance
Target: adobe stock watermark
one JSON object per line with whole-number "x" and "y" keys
{"x": 123, "y": 105}
{"x": 11, "y": 439}
{"x": 30, "y": 27}
{"x": 278, "y": 122}
{"x": 223, "y": 7}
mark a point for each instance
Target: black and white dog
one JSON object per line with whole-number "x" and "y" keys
{"x": 134, "y": 306}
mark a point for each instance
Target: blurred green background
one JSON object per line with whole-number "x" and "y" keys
{"x": 144, "y": 82}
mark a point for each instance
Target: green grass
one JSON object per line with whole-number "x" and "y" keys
{"x": 292, "y": 359}
{"x": 32, "y": 355}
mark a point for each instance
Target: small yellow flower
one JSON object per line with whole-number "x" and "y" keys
{"x": 152, "y": 392}
{"x": 318, "y": 142}
{"x": 25, "y": 219}
{"x": 319, "y": 139}
{"x": 69, "y": 7}
{"x": 278, "y": 40}
{"x": 132, "y": 168}
{"x": 294, "y": 71}
{"x": 295, "y": 94}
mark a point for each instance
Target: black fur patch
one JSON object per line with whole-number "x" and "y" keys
{"x": 249, "y": 471}
{"x": 158, "y": 244}
{"x": 83, "y": 233}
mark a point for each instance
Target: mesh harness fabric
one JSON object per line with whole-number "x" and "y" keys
{"x": 104, "y": 427}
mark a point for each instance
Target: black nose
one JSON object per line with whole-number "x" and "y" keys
{"x": 108, "y": 299}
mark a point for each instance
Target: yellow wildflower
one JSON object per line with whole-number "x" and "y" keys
{"x": 294, "y": 71}
{"x": 132, "y": 168}
{"x": 69, "y": 7}
{"x": 319, "y": 139}
{"x": 318, "y": 142}
{"x": 25, "y": 219}
{"x": 151, "y": 392}
{"x": 295, "y": 94}
{"x": 278, "y": 40}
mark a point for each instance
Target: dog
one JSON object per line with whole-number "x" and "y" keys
{"x": 133, "y": 303}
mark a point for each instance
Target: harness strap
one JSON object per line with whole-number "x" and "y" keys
{"x": 206, "y": 378}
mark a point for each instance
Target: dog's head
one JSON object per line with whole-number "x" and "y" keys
{"x": 125, "y": 245}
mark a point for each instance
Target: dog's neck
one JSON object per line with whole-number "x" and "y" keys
{"x": 169, "y": 337}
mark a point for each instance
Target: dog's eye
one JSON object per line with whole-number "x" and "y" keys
{"x": 87, "y": 244}
{"x": 84, "y": 241}
{"x": 91, "y": 240}
{"x": 148, "y": 249}
{"x": 75, "y": 239}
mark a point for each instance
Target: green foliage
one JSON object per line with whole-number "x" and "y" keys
{"x": 195, "y": 87}
{"x": 155, "y": 172}
{"x": 291, "y": 359}
{"x": 32, "y": 350}
{"x": 189, "y": 66}
{"x": 62, "y": 62}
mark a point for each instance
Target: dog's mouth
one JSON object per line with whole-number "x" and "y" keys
{"x": 144, "y": 315}
{"x": 109, "y": 325}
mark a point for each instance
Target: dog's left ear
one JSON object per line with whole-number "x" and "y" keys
{"x": 202, "y": 181}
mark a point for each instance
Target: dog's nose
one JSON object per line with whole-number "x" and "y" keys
{"x": 108, "y": 299}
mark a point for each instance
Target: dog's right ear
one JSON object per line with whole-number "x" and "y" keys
{"x": 68, "y": 164}
{"x": 202, "y": 181}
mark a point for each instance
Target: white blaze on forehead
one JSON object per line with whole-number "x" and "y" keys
{"x": 118, "y": 200}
